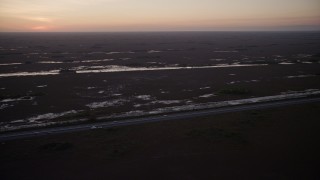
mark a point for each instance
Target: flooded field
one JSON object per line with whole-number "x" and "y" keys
{"x": 58, "y": 77}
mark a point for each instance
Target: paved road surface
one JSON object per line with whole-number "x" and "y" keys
{"x": 141, "y": 120}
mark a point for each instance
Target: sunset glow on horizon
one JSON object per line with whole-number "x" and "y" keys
{"x": 158, "y": 15}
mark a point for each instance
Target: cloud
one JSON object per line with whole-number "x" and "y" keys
{"x": 38, "y": 19}
{"x": 39, "y": 28}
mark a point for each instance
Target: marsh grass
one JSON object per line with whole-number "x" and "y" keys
{"x": 234, "y": 91}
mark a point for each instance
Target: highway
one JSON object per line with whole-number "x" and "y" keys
{"x": 141, "y": 120}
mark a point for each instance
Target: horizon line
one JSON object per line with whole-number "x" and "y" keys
{"x": 151, "y": 31}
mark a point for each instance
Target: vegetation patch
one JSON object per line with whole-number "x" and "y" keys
{"x": 234, "y": 91}
{"x": 52, "y": 147}
{"x": 213, "y": 133}
{"x": 117, "y": 149}
{"x": 23, "y": 96}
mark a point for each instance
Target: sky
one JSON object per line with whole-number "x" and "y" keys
{"x": 158, "y": 15}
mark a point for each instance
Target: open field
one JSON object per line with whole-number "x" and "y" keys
{"x": 280, "y": 143}
{"x": 53, "y": 78}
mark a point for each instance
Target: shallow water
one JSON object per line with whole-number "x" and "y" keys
{"x": 53, "y": 75}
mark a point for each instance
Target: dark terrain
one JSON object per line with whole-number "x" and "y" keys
{"x": 281, "y": 143}
{"x": 57, "y": 77}
{"x": 45, "y": 76}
